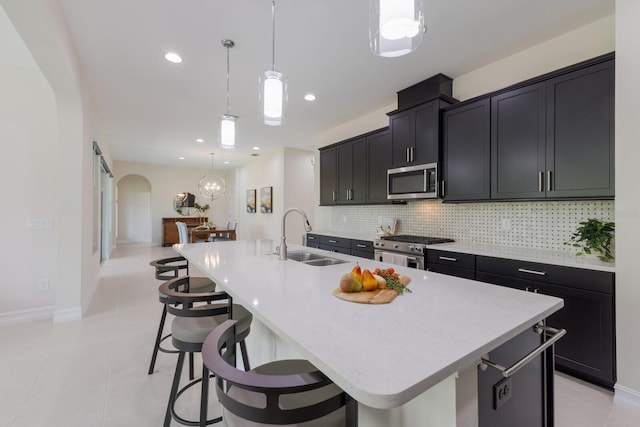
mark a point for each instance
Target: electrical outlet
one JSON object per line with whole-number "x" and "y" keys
{"x": 43, "y": 284}
{"x": 501, "y": 393}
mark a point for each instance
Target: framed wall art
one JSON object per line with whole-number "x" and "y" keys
{"x": 251, "y": 201}
{"x": 266, "y": 200}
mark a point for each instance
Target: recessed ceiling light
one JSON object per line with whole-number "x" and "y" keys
{"x": 199, "y": 140}
{"x": 226, "y": 162}
{"x": 256, "y": 148}
{"x": 181, "y": 158}
{"x": 310, "y": 97}
{"x": 173, "y": 57}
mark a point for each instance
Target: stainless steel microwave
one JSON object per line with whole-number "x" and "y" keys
{"x": 413, "y": 182}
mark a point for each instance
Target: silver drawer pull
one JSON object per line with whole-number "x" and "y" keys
{"x": 332, "y": 241}
{"x": 360, "y": 245}
{"x": 539, "y": 273}
{"x": 446, "y": 258}
{"x": 553, "y": 334}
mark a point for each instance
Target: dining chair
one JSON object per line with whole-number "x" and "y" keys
{"x": 196, "y": 315}
{"x": 231, "y": 225}
{"x": 284, "y": 392}
{"x": 168, "y": 269}
{"x": 183, "y": 232}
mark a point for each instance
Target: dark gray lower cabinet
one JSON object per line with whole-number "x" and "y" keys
{"x": 452, "y": 263}
{"x": 587, "y": 351}
{"x": 529, "y": 398}
{"x": 343, "y": 245}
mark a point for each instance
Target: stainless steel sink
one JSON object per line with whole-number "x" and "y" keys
{"x": 311, "y": 258}
{"x": 324, "y": 261}
{"x": 304, "y": 256}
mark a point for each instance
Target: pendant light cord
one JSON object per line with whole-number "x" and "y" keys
{"x": 273, "y": 35}
{"x": 228, "y": 47}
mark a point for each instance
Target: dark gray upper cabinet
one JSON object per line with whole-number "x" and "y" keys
{"x": 379, "y": 161}
{"x": 518, "y": 143}
{"x": 466, "y": 152}
{"x": 415, "y": 134}
{"x": 328, "y": 176}
{"x": 551, "y": 137}
{"x": 354, "y": 171}
{"x": 580, "y": 133}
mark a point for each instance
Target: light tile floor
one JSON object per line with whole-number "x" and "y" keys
{"x": 93, "y": 373}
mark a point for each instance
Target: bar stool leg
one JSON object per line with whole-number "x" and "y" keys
{"x": 156, "y": 347}
{"x": 174, "y": 389}
{"x": 204, "y": 396}
{"x": 245, "y": 355}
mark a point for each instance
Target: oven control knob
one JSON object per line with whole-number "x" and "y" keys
{"x": 395, "y": 246}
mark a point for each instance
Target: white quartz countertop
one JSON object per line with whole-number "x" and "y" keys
{"x": 566, "y": 259}
{"x": 382, "y": 355}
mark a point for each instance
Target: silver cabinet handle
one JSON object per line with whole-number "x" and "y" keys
{"x": 540, "y": 179}
{"x": 424, "y": 184}
{"x": 360, "y": 245}
{"x": 411, "y": 154}
{"x": 442, "y": 187}
{"x": 333, "y": 194}
{"x": 406, "y": 155}
{"x": 332, "y": 241}
{"x": 539, "y": 273}
{"x": 446, "y": 258}
{"x": 553, "y": 334}
{"x": 548, "y": 180}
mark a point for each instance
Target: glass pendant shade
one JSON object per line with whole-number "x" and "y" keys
{"x": 228, "y": 131}
{"x": 396, "y": 27}
{"x": 273, "y": 98}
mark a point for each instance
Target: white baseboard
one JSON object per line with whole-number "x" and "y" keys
{"x": 68, "y": 315}
{"x": 627, "y": 398}
{"x": 22, "y": 316}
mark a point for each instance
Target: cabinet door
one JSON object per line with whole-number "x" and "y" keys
{"x": 518, "y": 143}
{"x": 352, "y": 171}
{"x": 328, "y": 176}
{"x": 402, "y": 126}
{"x": 580, "y": 133}
{"x": 345, "y": 163}
{"x": 466, "y": 152}
{"x": 427, "y": 133}
{"x": 587, "y": 350}
{"x": 379, "y": 161}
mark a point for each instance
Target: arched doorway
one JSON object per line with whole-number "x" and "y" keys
{"x": 134, "y": 210}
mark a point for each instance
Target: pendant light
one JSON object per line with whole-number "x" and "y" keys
{"x": 228, "y": 121}
{"x": 396, "y": 27}
{"x": 273, "y": 85}
{"x": 211, "y": 186}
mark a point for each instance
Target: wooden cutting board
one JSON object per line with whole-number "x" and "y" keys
{"x": 379, "y": 296}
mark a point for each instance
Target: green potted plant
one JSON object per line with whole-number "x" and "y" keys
{"x": 202, "y": 210}
{"x": 594, "y": 236}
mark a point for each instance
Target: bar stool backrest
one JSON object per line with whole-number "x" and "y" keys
{"x": 180, "y": 302}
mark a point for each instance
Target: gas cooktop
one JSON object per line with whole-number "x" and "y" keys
{"x": 417, "y": 239}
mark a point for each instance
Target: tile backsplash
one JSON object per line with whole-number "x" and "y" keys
{"x": 539, "y": 225}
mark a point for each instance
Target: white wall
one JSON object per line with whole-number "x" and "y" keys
{"x": 166, "y": 182}
{"x": 627, "y": 202}
{"x": 42, "y": 27}
{"x": 297, "y": 190}
{"x": 28, "y": 130}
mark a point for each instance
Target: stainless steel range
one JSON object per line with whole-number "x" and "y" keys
{"x": 404, "y": 249}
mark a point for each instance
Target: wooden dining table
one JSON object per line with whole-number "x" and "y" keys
{"x": 205, "y": 233}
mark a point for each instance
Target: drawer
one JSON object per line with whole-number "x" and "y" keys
{"x": 362, "y": 245}
{"x": 591, "y": 280}
{"x": 313, "y": 238}
{"x": 451, "y": 259}
{"x": 452, "y": 271}
{"x": 362, "y": 254}
{"x": 335, "y": 241}
{"x": 337, "y": 249}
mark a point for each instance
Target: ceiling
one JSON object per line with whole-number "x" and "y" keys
{"x": 152, "y": 111}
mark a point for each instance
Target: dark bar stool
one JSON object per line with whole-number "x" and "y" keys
{"x": 282, "y": 392}
{"x": 196, "y": 315}
{"x": 168, "y": 269}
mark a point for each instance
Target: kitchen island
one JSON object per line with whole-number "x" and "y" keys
{"x": 385, "y": 356}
